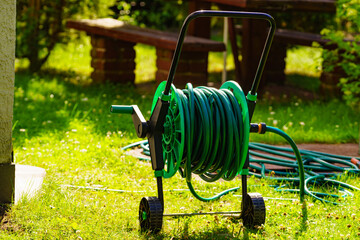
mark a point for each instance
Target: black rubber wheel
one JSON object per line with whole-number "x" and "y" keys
{"x": 253, "y": 210}
{"x": 150, "y": 214}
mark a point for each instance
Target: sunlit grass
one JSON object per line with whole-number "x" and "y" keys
{"x": 145, "y": 63}
{"x": 316, "y": 121}
{"x": 73, "y": 56}
{"x": 304, "y": 60}
{"x": 66, "y": 128}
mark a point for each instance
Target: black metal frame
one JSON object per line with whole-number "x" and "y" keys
{"x": 154, "y": 128}
{"x": 158, "y": 115}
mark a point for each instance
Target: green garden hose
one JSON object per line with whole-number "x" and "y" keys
{"x": 206, "y": 132}
{"x": 320, "y": 169}
{"x": 315, "y": 174}
{"x": 297, "y": 155}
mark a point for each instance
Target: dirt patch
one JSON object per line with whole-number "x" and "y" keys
{"x": 347, "y": 149}
{"x": 5, "y": 222}
{"x": 3, "y": 209}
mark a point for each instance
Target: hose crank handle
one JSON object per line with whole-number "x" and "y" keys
{"x": 140, "y": 124}
{"x": 128, "y": 109}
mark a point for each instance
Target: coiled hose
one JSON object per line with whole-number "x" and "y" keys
{"x": 320, "y": 169}
{"x": 206, "y": 132}
{"x": 316, "y": 174}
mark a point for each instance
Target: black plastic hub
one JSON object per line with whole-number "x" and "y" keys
{"x": 150, "y": 214}
{"x": 253, "y": 210}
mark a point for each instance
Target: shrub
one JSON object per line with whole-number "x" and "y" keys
{"x": 157, "y": 14}
{"x": 346, "y": 55}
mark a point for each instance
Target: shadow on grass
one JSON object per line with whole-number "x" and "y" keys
{"x": 213, "y": 232}
{"x": 48, "y": 102}
{"x": 5, "y": 222}
{"x": 304, "y": 218}
{"x": 3, "y": 209}
{"x": 304, "y": 82}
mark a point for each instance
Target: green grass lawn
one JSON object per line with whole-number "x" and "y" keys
{"x": 64, "y": 126}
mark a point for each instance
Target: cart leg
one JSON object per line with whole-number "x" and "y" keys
{"x": 160, "y": 191}
{"x": 151, "y": 210}
{"x": 253, "y": 211}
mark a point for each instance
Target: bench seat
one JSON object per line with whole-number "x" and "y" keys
{"x": 113, "y": 54}
{"x": 288, "y": 36}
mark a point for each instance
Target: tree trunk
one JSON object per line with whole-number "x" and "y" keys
{"x": 7, "y": 75}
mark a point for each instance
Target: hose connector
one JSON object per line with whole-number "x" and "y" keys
{"x": 355, "y": 161}
{"x": 258, "y": 128}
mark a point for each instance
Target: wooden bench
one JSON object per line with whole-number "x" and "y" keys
{"x": 287, "y": 36}
{"x": 113, "y": 54}
{"x": 328, "y": 80}
{"x": 274, "y": 72}
{"x": 299, "y": 38}
{"x": 254, "y": 34}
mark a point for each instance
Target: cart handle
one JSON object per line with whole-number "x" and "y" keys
{"x": 233, "y": 14}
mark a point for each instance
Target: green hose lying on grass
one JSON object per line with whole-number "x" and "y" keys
{"x": 319, "y": 169}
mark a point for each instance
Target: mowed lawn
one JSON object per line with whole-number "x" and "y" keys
{"x": 92, "y": 188}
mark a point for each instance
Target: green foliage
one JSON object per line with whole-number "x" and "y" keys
{"x": 41, "y": 24}
{"x": 302, "y": 21}
{"x": 345, "y": 58}
{"x": 157, "y": 14}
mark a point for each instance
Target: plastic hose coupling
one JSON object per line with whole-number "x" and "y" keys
{"x": 258, "y": 127}
{"x": 355, "y": 161}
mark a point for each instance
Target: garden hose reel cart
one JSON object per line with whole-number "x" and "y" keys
{"x": 221, "y": 119}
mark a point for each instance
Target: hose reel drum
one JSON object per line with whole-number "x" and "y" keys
{"x": 200, "y": 130}
{"x": 204, "y": 118}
